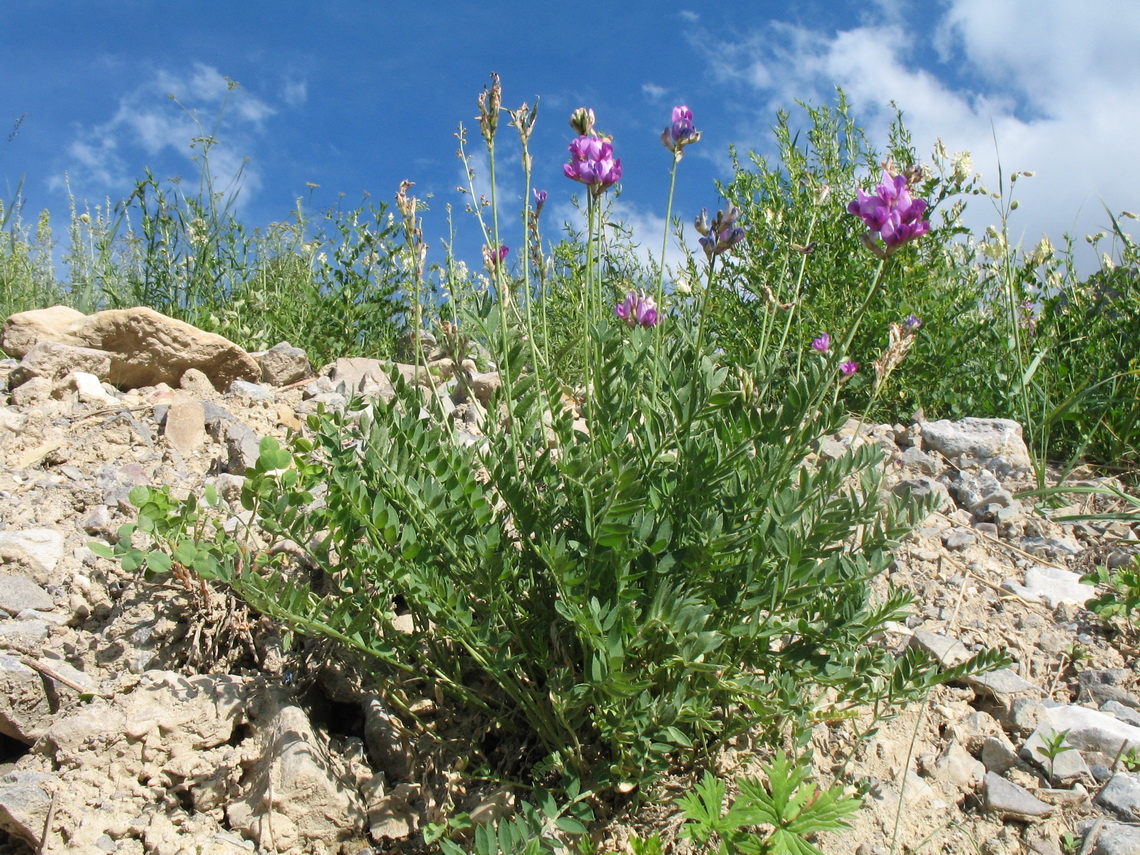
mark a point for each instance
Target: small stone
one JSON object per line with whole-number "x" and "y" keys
{"x": 948, "y": 651}
{"x": 1103, "y": 693}
{"x": 1001, "y": 684}
{"x": 957, "y": 539}
{"x": 1023, "y": 716}
{"x": 1050, "y": 547}
{"x": 1110, "y": 838}
{"x": 1011, "y": 801}
{"x": 196, "y": 383}
{"x": 185, "y": 425}
{"x": 1064, "y": 767}
{"x": 1126, "y": 714}
{"x": 1052, "y": 586}
{"x": 1092, "y": 730}
{"x": 25, "y": 799}
{"x": 19, "y": 592}
{"x": 1076, "y": 795}
{"x": 242, "y": 448}
{"x": 283, "y": 365}
{"x": 915, "y": 459}
{"x": 251, "y": 391}
{"x": 1122, "y": 796}
{"x": 90, "y": 389}
{"x": 955, "y": 766}
{"x": 33, "y": 392}
{"x": 922, "y": 487}
{"x": 998, "y": 755}
{"x": 484, "y": 386}
{"x": 39, "y": 549}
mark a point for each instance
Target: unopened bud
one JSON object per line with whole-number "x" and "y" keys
{"x": 582, "y": 121}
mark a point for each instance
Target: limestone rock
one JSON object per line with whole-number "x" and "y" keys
{"x": 1063, "y": 768}
{"x": 53, "y": 361}
{"x": 1111, "y": 838}
{"x": 24, "y": 710}
{"x": 24, "y": 330}
{"x": 25, "y": 799}
{"x": 283, "y": 365}
{"x": 145, "y": 347}
{"x": 1012, "y": 801}
{"x": 38, "y": 550}
{"x": 1122, "y": 796}
{"x": 1092, "y": 730}
{"x": 1052, "y": 586}
{"x": 185, "y": 425}
{"x": 981, "y": 439}
{"x": 309, "y": 803}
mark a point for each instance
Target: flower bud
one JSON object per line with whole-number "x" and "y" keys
{"x": 582, "y": 121}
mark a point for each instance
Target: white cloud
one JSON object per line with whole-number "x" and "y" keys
{"x": 295, "y": 93}
{"x": 155, "y": 126}
{"x": 653, "y": 92}
{"x": 1055, "y": 83}
{"x": 645, "y": 229}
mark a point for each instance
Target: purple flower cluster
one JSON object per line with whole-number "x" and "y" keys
{"x": 592, "y": 163}
{"x": 539, "y": 201}
{"x": 681, "y": 133}
{"x": 891, "y": 213}
{"x": 822, "y": 344}
{"x": 721, "y": 234}
{"x": 638, "y": 309}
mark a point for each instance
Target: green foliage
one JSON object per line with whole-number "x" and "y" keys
{"x": 1121, "y": 597}
{"x": 533, "y": 829}
{"x": 773, "y": 815}
{"x": 1053, "y": 746}
{"x": 654, "y": 586}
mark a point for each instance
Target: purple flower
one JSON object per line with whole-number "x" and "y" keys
{"x": 891, "y": 213}
{"x": 912, "y": 323}
{"x": 822, "y": 344}
{"x": 848, "y": 368}
{"x": 539, "y": 201}
{"x": 721, "y": 234}
{"x": 492, "y": 258}
{"x": 681, "y": 133}
{"x": 638, "y": 309}
{"x": 592, "y": 162}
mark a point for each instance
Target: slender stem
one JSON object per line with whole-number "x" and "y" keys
{"x": 660, "y": 296}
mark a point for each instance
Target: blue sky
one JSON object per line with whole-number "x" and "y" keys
{"x": 355, "y": 97}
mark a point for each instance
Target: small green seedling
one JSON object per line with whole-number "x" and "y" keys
{"x": 1053, "y": 746}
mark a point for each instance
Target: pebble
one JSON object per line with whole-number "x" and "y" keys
{"x": 1012, "y": 801}
{"x": 1122, "y": 796}
{"x": 19, "y": 592}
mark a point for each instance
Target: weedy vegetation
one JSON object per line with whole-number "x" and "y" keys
{"x": 641, "y": 559}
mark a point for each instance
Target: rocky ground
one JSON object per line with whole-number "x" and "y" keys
{"x": 164, "y": 717}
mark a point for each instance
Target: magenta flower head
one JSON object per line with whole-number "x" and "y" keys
{"x": 638, "y": 309}
{"x": 681, "y": 133}
{"x": 539, "y": 201}
{"x": 890, "y": 213}
{"x": 592, "y": 162}
{"x": 492, "y": 258}
{"x": 848, "y": 368}
{"x": 721, "y": 234}
{"x": 912, "y": 323}
{"x": 822, "y": 344}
